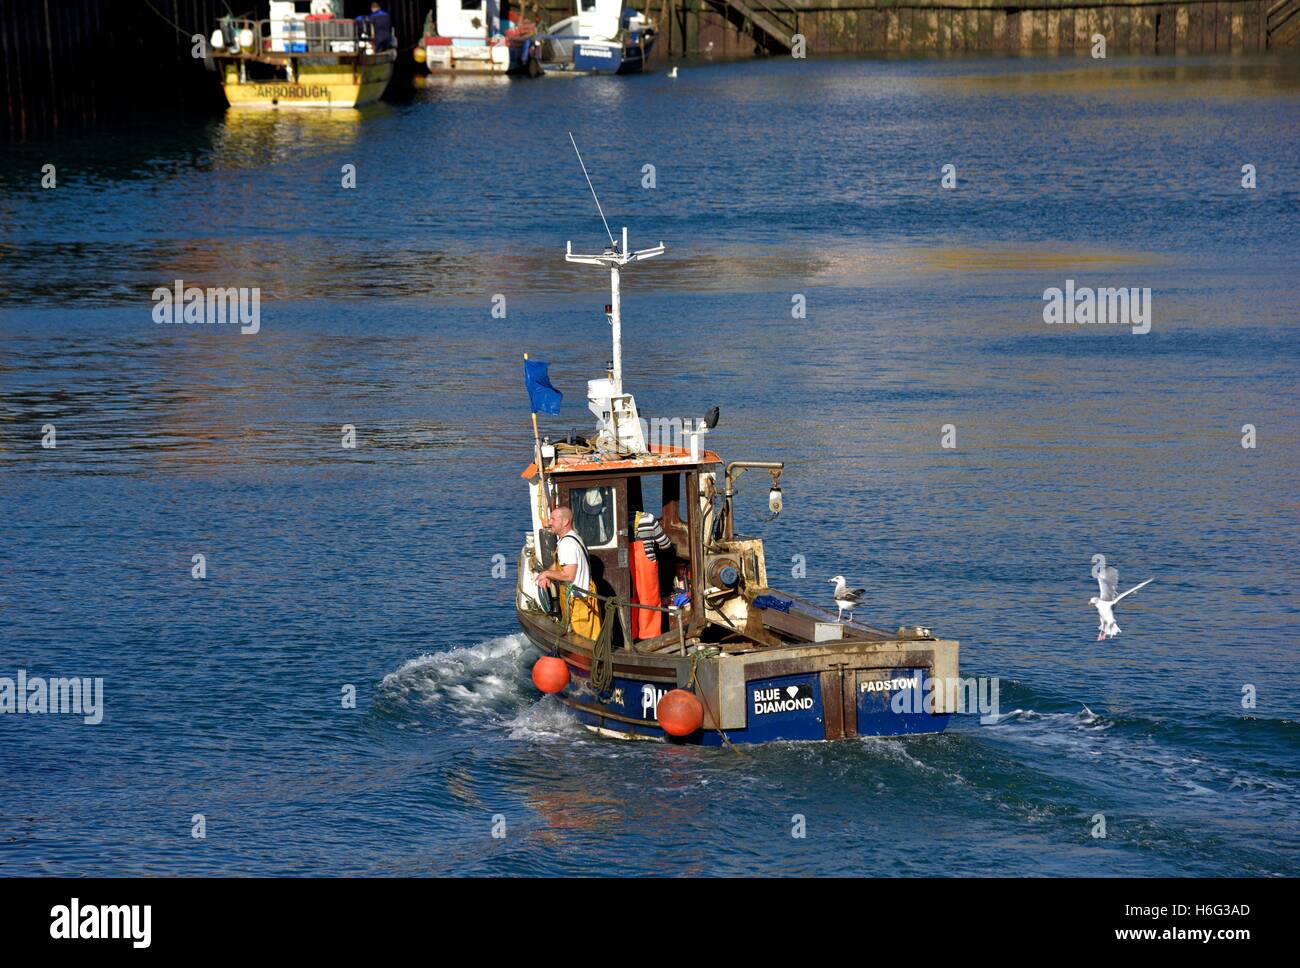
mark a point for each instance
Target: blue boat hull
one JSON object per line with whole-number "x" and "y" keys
{"x": 791, "y": 689}
{"x": 600, "y": 57}
{"x": 778, "y": 708}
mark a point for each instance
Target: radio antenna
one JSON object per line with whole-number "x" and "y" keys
{"x": 612, "y": 243}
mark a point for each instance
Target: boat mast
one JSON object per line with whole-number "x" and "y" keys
{"x": 616, "y": 320}
{"x": 616, "y": 256}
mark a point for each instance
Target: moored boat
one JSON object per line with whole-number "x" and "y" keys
{"x": 600, "y": 38}
{"x": 479, "y": 37}
{"x": 304, "y": 56}
{"x": 724, "y": 656}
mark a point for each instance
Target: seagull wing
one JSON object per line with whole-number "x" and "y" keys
{"x": 1108, "y": 582}
{"x": 851, "y": 595}
{"x": 1133, "y": 589}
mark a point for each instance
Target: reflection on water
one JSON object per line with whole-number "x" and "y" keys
{"x": 1210, "y": 77}
{"x": 451, "y": 202}
{"x": 448, "y": 84}
{"x": 250, "y": 139}
{"x": 1071, "y": 261}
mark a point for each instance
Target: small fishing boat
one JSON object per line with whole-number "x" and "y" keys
{"x": 600, "y": 38}
{"x": 479, "y": 37}
{"x": 701, "y": 648}
{"x": 303, "y": 56}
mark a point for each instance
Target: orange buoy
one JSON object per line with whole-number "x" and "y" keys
{"x": 680, "y": 713}
{"x": 551, "y": 674}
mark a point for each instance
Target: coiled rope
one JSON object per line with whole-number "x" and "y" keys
{"x": 602, "y": 652}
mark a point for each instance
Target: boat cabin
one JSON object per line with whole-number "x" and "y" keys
{"x": 599, "y": 19}
{"x": 709, "y": 573}
{"x": 467, "y": 20}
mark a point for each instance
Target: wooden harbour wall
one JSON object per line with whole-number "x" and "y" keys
{"x": 950, "y": 26}
{"x": 68, "y": 65}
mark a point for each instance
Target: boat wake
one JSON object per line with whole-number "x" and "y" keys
{"x": 1155, "y": 754}
{"x": 469, "y": 684}
{"x": 478, "y": 686}
{"x": 488, "y": 686}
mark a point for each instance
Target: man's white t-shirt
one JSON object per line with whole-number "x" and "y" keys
{"x": 570, "y": 551}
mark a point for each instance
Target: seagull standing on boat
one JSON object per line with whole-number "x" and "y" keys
{"x": 1108, "y": 582}
{"x": 846, "y": 598}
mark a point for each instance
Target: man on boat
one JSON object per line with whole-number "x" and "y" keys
{"x": 648, "y": 535}
{"x": 381, "y": 24}
{"x": 578, "y": 611}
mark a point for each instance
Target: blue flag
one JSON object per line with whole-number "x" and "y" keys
{"x": 542, "y": 396}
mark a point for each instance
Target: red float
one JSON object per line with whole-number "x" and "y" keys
{"x": 680, "y": 713}
{"x": 550, "y": 674}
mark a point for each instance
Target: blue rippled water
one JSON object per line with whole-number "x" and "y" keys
{"x": 372, "y": 567}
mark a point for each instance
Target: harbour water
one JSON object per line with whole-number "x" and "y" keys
{"x": 373, "y": 567}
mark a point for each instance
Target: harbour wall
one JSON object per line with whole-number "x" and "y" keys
{"x": 920, "y": 27}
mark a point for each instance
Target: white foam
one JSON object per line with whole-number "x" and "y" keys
{"x": 470, "y": 679}
{"x": 1087, "y": 734}
{"x": 546, "y": 719}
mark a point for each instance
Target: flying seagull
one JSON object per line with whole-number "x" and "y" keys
{"x": 846, "y": 598}
{"x": 1108, "y": 581}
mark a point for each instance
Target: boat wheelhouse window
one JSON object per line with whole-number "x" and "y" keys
{"x": 588, "y": 5}
{"x": 594, "y": 515}
{"x": 470, "y": 4}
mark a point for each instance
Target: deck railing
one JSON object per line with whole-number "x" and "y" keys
{"x": 297, "y": 37}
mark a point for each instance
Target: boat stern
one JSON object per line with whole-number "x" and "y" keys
{"x": 869, "y": 689}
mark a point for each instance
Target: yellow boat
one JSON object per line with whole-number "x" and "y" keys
{"x": 303, "y": 62}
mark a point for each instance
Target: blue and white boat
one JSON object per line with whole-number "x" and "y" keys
{"x": 601, "y": 38}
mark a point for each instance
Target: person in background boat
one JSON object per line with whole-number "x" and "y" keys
{"x": 578, "y": 612}
{"x": 381, "y": 25}
{"x": 649, "y": 538}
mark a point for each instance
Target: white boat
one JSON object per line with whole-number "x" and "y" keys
{"x": 479, "y": 37}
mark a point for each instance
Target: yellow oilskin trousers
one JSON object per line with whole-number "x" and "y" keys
{"x": 579, "y": 612}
